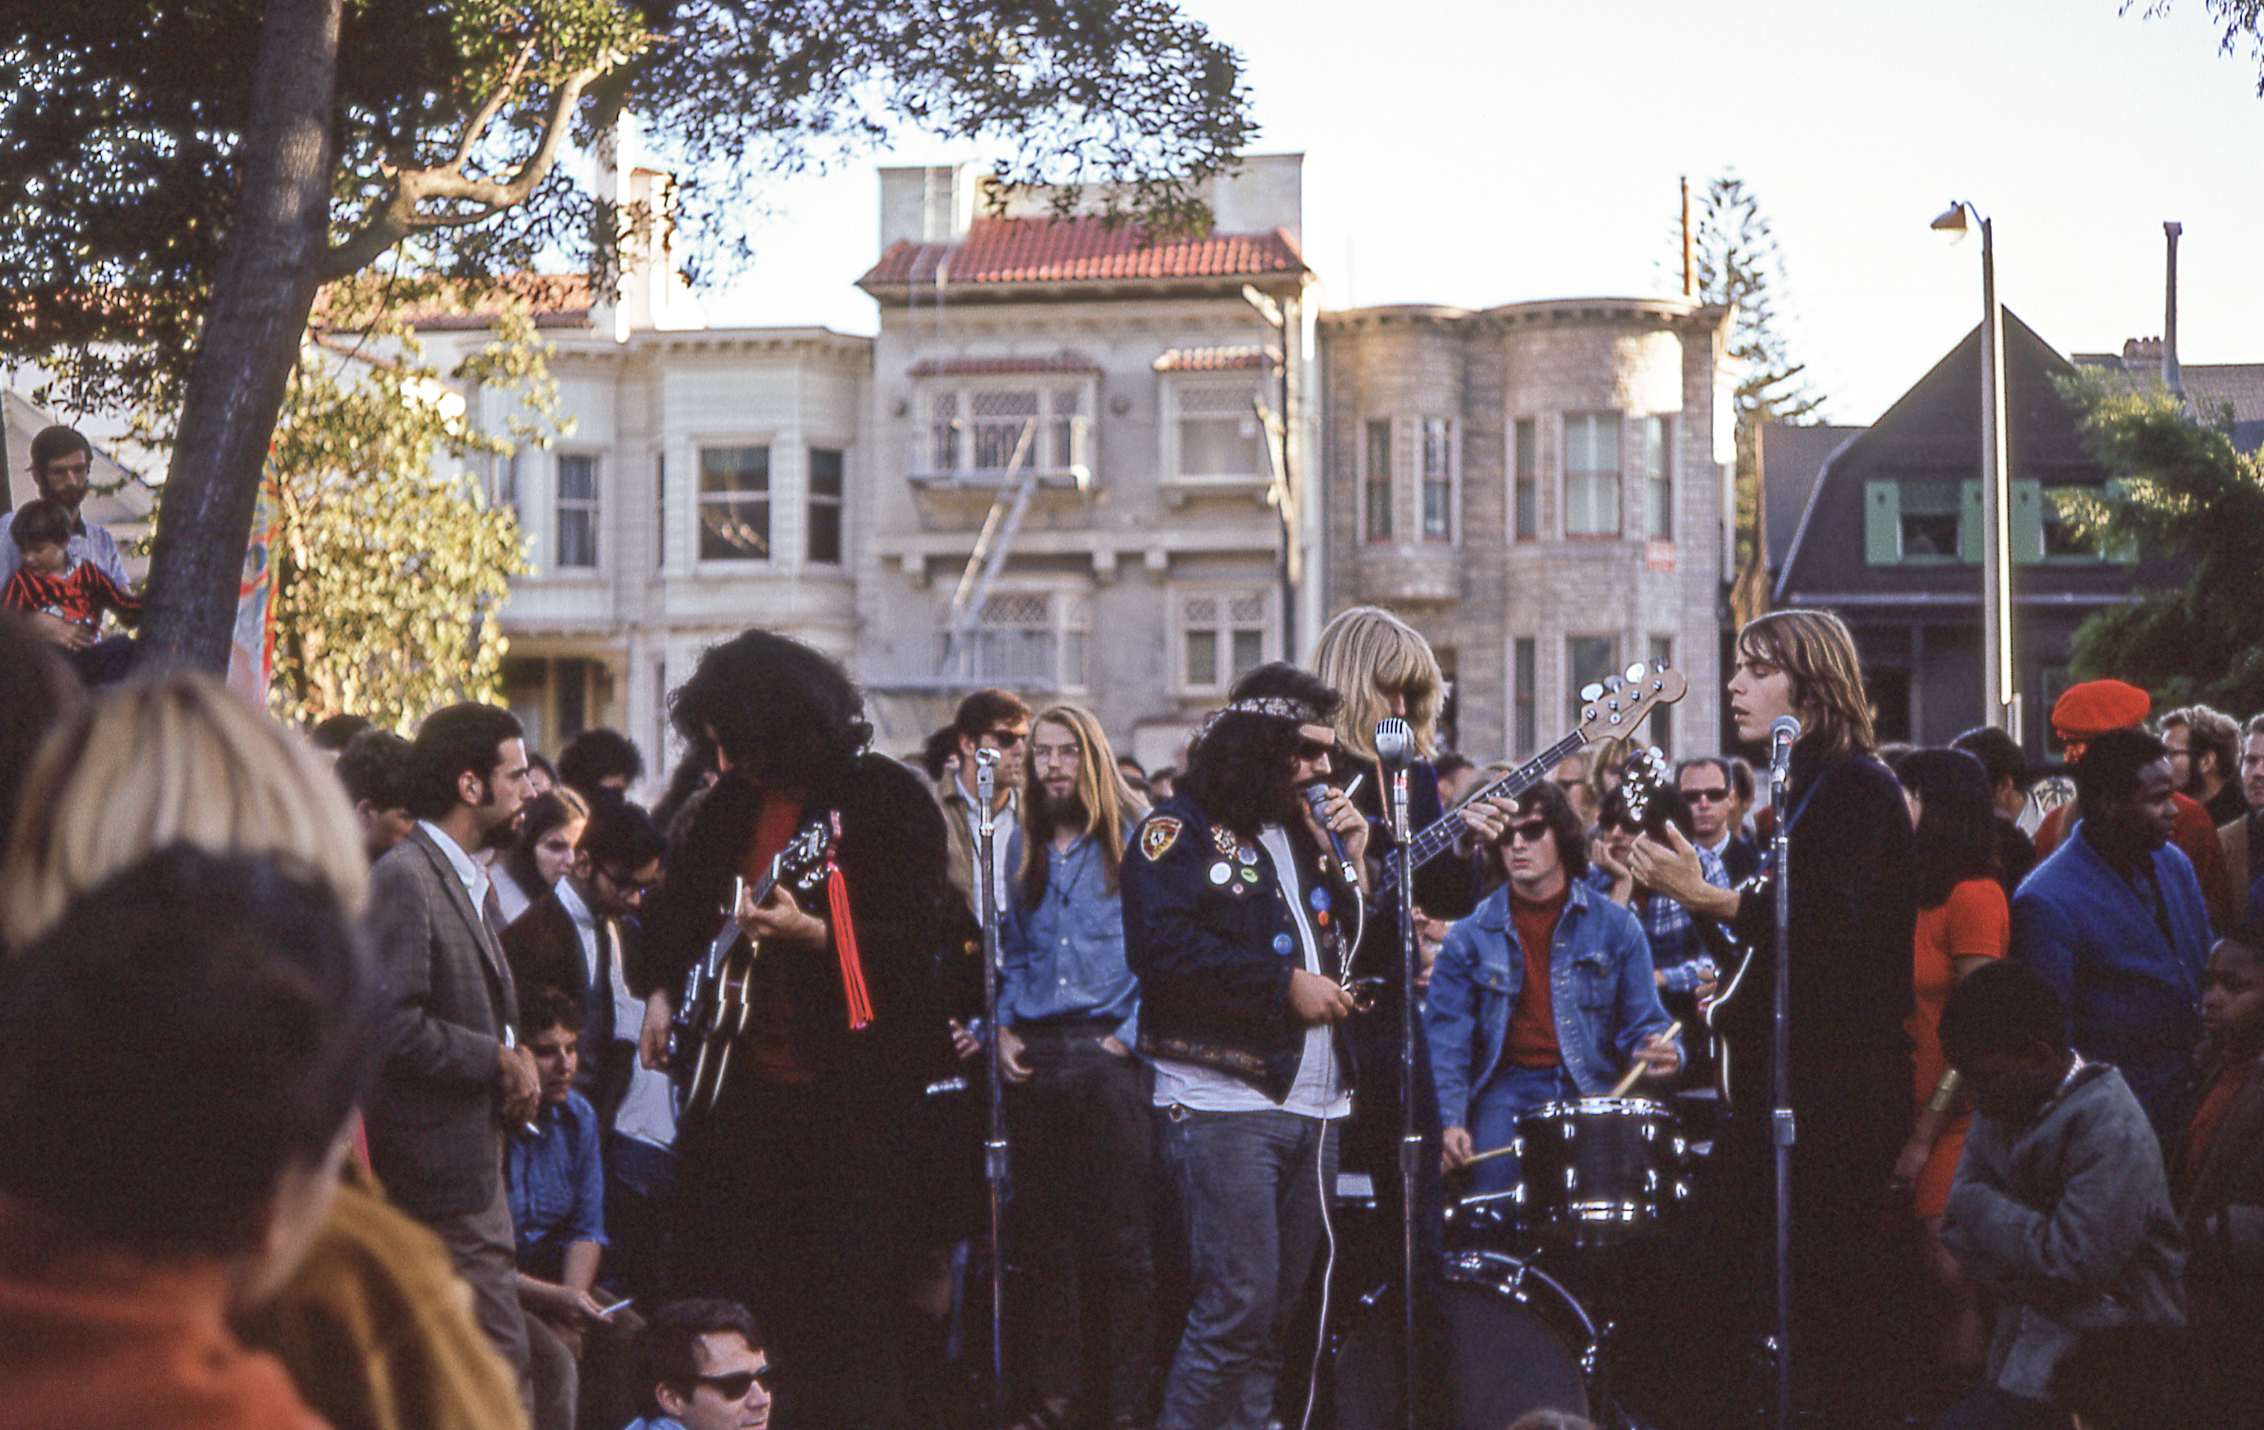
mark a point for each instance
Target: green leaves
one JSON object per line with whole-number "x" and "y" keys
{"x": 2192, "y": 505}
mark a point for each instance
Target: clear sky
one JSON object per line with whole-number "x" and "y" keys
{"x": 1471, "y": 153}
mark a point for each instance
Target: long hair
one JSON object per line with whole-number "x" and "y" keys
{"x": 1364, "y": 655}
{"x": 1957, "y": 821}
{"x": 1102, "y": 792}
{"x": 545, "y": 812}
{"x": 179, "y": 759}
{"x": 782, "y": 713}
{"x": 1815, "y": 649}
{"x": 1239, "y": 764}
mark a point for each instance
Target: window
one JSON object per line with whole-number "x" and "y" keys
{"x": 1379, "y": 480}
{"x": 1223, "y": 636}
{"x": 1027, "y": 638}
{"x": 824, "y": 536}
{"x": 1219, "y": 434}
{"x": 1525, "y": 695}
{"x": 734, "y": 503}
{"x": 1929, "y": 519}
{"x": 577, "y": 511}
{"x": 1438, "y": 479}
{"x": 503, "y": 481}
{"x": 2058, "y": 539}
{"x": 1662, "y": 715}
{"x": 1526, "y": 463}
{"x": 659, "y": 510}
{"x": 975, "y": 430}
{"x": 1591, "y": 474}
{"x": 1658, "y": 474}
{"x": 1923, "y": 522}
{"x": 1590, "y": 659}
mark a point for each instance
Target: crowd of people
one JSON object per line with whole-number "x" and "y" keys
{"x": 347, "y": 1077}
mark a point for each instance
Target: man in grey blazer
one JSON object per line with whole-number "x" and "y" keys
{"x": 452, "y": 1076}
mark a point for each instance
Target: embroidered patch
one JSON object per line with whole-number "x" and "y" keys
{"x": 1157, "y": 836}
{"x": 1223, "y": 838}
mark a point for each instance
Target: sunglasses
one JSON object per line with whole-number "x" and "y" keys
{"x": 1529, "y": 830}
{"x": 736, "y": 1385}
{"x": 630, "y": 888}
{"x": 1006, "y": 739}
{"x": 1311, "y": 750}
{"x": 1705, "y": 796}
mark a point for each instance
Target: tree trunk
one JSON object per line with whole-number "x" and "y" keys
{"x": 260, "y": 301}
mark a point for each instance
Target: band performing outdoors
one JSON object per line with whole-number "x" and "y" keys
{"x": 1004, "y": 1086}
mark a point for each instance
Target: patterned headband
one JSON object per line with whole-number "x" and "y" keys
{"x": 1277, "y": 706}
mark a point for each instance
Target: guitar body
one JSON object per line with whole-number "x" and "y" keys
{"x": 716, "y": 1002}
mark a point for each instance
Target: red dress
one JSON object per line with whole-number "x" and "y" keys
{"x": 1974, "y": 922}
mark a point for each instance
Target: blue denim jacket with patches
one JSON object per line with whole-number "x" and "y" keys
{"x": 1600, "y": 984}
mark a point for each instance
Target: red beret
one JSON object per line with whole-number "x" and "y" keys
{"x": 2091, "y": 709}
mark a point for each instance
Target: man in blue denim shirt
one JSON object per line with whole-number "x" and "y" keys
{"x": 1069, "y": 1011}
{"x": 556, "y": 1189}
{"x": 1542, "y": 994}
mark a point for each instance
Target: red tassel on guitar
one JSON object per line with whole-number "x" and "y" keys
{"x": 845, "y": 941}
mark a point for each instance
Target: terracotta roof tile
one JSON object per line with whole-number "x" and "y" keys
{"x": 1214, "y": 359}
{"x": 1003, "y": 250}
{"x": 558, "y": 300}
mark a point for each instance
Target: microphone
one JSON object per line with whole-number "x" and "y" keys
{"x": 1782, "y": 732}
{"x": 986, "y": 756}
{"x": 1317, "y": 797}
{"x": 1395, "y": 742}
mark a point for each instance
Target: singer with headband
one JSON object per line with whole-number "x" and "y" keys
{"x": 1238, "y": 913}
{"x": 1852, "y": 891}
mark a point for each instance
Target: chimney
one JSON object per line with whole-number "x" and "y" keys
{"x": 2170, "y": 378}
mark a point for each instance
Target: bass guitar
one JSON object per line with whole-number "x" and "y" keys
{"x": 1611, "y": 708}
{"x": 713, "y": 1009}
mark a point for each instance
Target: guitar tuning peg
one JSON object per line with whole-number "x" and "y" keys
{"x": 1591, "y": 691}
{"x": 1635, "y": 673}
{"x": 1614, "y": 683}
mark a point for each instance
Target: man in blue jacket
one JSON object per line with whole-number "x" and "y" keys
{"x": 2116, "y": 922}
{"x": 1234, "y": 919}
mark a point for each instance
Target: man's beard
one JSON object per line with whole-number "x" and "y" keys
{"x": 1065, "y": 811}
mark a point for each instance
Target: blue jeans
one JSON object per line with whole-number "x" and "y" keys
{"x": 1507, "y": 1096}
{"x": 1250, "y": 1188}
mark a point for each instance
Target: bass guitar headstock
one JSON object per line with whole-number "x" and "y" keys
{"x": 1615, "y": 705}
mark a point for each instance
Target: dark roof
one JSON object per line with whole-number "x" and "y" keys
{"x": 1791, "y": 460}
{"x": 1080, "y": 250}
{"x": 2214, "y": 385}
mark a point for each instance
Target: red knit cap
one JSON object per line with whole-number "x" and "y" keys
{"x": 2091, "y": 709}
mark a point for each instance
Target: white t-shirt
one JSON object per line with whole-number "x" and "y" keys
{"x": 1319, "y": 1090}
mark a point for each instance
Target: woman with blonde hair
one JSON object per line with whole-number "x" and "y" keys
{"x": 182, "y": 760}
{"x": 1380, "y": 666}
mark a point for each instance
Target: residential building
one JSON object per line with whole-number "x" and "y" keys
{"x": 1542, "y": 490}
{"x": 1079, "y": 429}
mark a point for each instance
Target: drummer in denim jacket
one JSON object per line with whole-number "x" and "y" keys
{"x": 1544, "y": 993}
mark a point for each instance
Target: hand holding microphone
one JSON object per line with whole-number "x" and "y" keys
{"x": 1346, "y": 830}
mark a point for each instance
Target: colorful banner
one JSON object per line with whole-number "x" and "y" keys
{"x": 251, "y": 653}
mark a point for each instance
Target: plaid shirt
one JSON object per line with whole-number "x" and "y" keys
{"x": 1676, "y": 951}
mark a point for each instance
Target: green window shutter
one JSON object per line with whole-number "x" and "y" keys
{"x": 2027, "y": 523}
{"x": 1882, "y": 523}
{"x": 2122, "y": 550}
{"x": 1969, "y": 523}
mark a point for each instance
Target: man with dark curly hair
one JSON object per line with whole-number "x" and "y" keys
{"x": 1235, "y": 911}
{"x": 793, "y": 1186}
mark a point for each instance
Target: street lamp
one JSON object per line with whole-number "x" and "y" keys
{"x": 2000, "y": 701}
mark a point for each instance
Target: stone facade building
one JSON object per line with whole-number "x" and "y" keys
{"x": 1541, "y": 489}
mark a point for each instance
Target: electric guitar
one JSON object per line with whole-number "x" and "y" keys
{"x": 1728, "y": 950}
{"x": 1611, "y": 708}
{"x": 713, "y": 1009}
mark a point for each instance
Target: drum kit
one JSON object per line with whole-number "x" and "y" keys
{"x": 1530, "y": 1283}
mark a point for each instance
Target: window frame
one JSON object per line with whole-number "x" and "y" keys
{"x": 590, "y": 507}
{"x": 1256, "y": 384}
{"x": 1371, "y": 531}
{"x": 1525, "y": 479}
{"x": 1046, "y": 460}
{"x": 1069, "y": 613}
{"x": 1447, "y": 481}
{"x": 1223, "y": 626}
{"x": 1572, "y": 678}
{"x": 1658, "y": 476}
{"x": 702, "y": 499}
{"x": 1595, "y": 479}
{"x": 837, "y": 502}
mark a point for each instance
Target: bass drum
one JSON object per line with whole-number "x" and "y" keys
{"x": 1518, "y": 1341}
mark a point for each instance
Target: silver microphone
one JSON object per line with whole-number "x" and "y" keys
{"x": 1395, "y": 742}
{"x": 987, "y": 757}
{"x": 1782, "y": 732}
{"x": 1317, "y": 796}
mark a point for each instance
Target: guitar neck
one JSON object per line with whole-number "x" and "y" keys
{"x": 1435, "y": 839}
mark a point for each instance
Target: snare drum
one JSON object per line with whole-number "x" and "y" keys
{"x": 1598, "y": 1170}
{"x": 1519, "y": 1342}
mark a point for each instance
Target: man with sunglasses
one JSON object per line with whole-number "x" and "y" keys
{"x": 1711, "y": 789}
{"x": 1544, "y": 993}
{"x": 995, "y": 720}
{"x": 575, "y": 939}
{"x": 700, "y": 1366}
{"x": 1235, "y": 908}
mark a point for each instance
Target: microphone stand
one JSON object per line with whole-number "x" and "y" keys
{"x": 994, "y": 1146}
{"x": 1780, "y": 1075}
{"x": 1410, "y": 1141}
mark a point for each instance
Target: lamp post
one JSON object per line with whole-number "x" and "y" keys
{"x": 2000, "y": 700}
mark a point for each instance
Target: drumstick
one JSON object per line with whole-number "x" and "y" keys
{"x": 1487, "y": 1156}
{"x": 1639, "y": 1067}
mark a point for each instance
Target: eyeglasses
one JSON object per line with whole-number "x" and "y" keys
{"x": 736, "y": 1385}
{"x": 630, "y": 888}
{"x": 1706, "y": 796}
{"x": 1006, "y": 739}
{"x": 1530, "y": 831}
